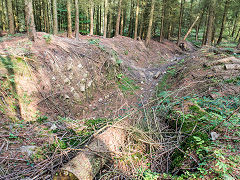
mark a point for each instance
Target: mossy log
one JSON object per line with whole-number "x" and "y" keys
{"x": 94, "y": 156}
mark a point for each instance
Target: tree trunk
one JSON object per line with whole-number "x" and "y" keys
{"x": 149, "y": 32}
{"x": 121, "y": 29}
{"x": 76, "y": 20}
{"x": 190, "y": 29}
{"x": 118, "y": 18}
{"x": 69, "y": 19}
{"x": 180, "y": 21}
{"x": 109, "y": 30}
{"x": 199, "y": 25}
{"x": 223, "y": 22}
{"x": 162, "y": 21}
{"x": 235, "y": 24}
{"x": 91, "y": 18}
{"x": 105, "y": 19}
{"x": 55, "y": 21}
{"x": 10, "y": 17}
{"x": 136, "y": 21}
{"x": 31, "y": 31}
{"x": 97, "y": 22}
{"x": 210, "y": 22}
{"x": 1, "y": 18}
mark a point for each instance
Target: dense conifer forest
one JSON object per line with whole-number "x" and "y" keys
{"x": 119, "y": 89}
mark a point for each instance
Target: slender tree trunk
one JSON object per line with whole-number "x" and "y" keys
{"x": 210, "y": 22}
{"x": 105, "y": 19}
{"x": 55, "y": 21}
{"x": 149, "y": 32}
{"x": 180, "y": 21}
{"x": 16, "y": 15}
{"x": 10, "y": 17}
{"x": 69, "y": 19}
{"x": 199, "y": 25}
{"x": 130, "y": 20}
{"x": 1, "y": 17}
{"x": 136, "y": 21}
{"x": 223, "y": 22}
{"x": 235, "y": 24}
{"x": 31, "y": 31}
{"x": 162, "y": 21}
{"x": 76, "y": 20}
{"x": 91, "y": 17}
{"x": 97, "y": 22}
{"x": 238, "y": 46}
{"x": 121, "y": 29}
{"x": 110, "y": 22}
{"x": 237, "y": 35}
{"x": 118, "y": 18}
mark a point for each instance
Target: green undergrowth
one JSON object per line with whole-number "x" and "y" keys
{"x": 126, "y": 84}
{"x": 195, "y": 117}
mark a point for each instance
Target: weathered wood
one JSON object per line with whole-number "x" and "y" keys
{"x": 232, "y": 66}
{"x": 190, "y": 29}
{"x": 228, "y": 60}
{"x": 93, "y": 157}
{"x": 156, "y": 76}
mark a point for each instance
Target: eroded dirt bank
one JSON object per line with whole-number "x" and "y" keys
{"x": 69, "y": 89}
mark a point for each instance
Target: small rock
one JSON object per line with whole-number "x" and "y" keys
{"x": 85, "y": 75}
{"x": 89, "y": 83}
{"x": 72, "y": 89}
{"x": 53, "y": 127}
{"x": 80, "y": 66}
{"x": 69, "y": 67}
{"x": 82, "y": 87}
{"x": 53, "y": 78}
{"x": 100, "y": 100}
{"x": 66, "y": 81}
{"x": 76, "y": 95}
{"x": 28, "y": 149}
{"x": 214, "y": 136}
{"x": 66, "y": 96}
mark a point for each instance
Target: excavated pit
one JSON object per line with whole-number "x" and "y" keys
{"x": 60, "y": 77}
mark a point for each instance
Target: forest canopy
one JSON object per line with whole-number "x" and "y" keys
{"x": 163, "y": 19}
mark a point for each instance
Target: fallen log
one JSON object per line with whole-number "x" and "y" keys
{"x": 232, "y": 66}
{"x": 229, "y": 60}
{"x": 94, "y": 156}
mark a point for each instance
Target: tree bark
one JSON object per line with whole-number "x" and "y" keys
{"x": 109, "y": 29}
{"x": 235, "y": 24}
{"x": 10, "y": 17}
{"x": 121, "y": 29}
{"x": 105, "y": 19}
{"x": 136, "y": 21}
{"x": 118, "y": 18}
{"x": 69, "y": 19}
{"x": 162, "y": 21}
{"x": 76, "y": 20}
{"x": 210, "y": 22}
{"x": 149, "y": 32}
{"x": 180, "y": 21}
{"x": 93, "y": 157}
{"x": 91, "y": 18}
{"x": 31, "y": 31}
{"x": 190, "y": 29}
{"x": 130, "y": 20}
{"x": 55, "y": 20}
{"x": 223, "y": 22}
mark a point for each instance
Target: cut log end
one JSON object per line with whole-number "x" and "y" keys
{"x": 64, "y": 175}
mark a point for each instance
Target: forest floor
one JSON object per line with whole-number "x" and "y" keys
{"x": 57, "y": 93}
